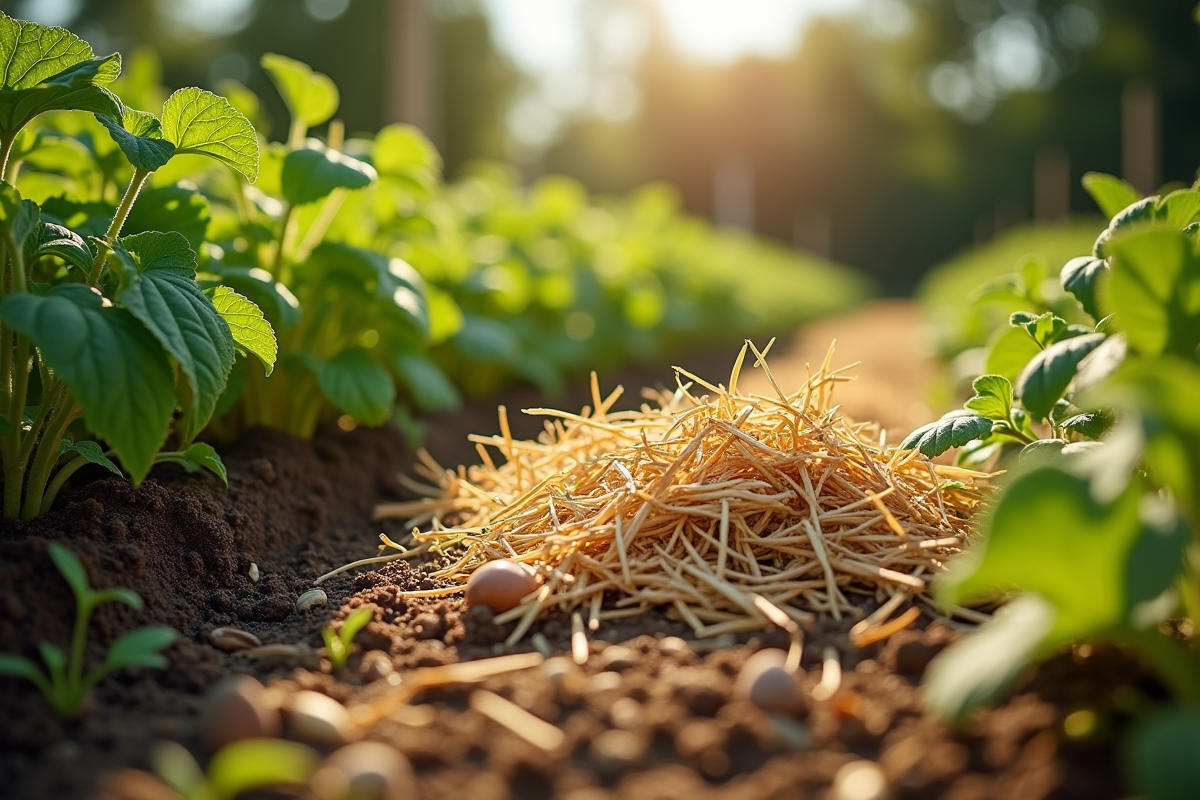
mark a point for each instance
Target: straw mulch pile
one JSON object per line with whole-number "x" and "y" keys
{"x": 705, "y": 501}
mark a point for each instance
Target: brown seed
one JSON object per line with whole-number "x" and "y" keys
{"x": 234, "y": 639}
{"x": 311, "y": 599}
{"x": 765, "y": 681}
{"x": 500, "y": 585}
{"x": 237, "y": 708}
{"x": 365, "y": 771}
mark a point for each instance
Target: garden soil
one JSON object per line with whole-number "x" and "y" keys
{"x": 650, "y": 715}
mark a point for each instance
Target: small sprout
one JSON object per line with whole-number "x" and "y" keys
{"x": 239, "y": 768}
{"x": 340, "y": 644}
{"x": 64, "y": 683}
{"x": 766, "y": 682}
{"x": 500, "y": 585}
{"x": 238, "y": 708}
{"x": 311, "y": 599}
{"x": 231, "y": 639}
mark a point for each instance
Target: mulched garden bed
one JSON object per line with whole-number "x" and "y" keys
{"x": 651, "y": 714}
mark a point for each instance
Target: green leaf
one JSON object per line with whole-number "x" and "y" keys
{"x": 1045, "y": 329}
{"x": 977, "y": 669}
{"x": 431, "y": 389}
{"x": 70, "y": 567}
{"x": 1179, "y": 208}
{"x": 141, "y": 648}
{"x": 92, "y": 451}
{"x": 197, "y": 457}
{"x": 354, "y": 623}
{"x": 50, "y": 239}
{"x": 117, "y": 594}
{"x": 356, "y": 384}
{"x": 250, "y": 329}
{"x": 19, "y": 219}
{"x": 1091, "y": 424}
{"x": 158, "y": 286}
{"x": 170, "y": 208}
{"x": 1080, "y": 277}
{"x": 139, "y": 134}
{"x": 43, "y": 68}
{"x": 953, "y": 430}
{"x": 1041, "y": 452}
{"x": 1110, "y": 193}
{"x": 55, "y": 658}
{"x": 314, "y": 171}
{"x": 392, "y": 280}
{"x": 1141, "y": 212}
{"x": 310, "y": 96}
{"x": 1154, "y": 291}
{"x": 19, "y": 667}
{"x": 486, "y": 339}
{"x": 1010, "y": 351}
{"x": 279, "y": 306}
{"x": 201, "y": 122}
{"x": 1047, "y": 376}
{"x": 1083, "y": 569}
{"x": 175, "y": 765}
{"x": 259, "y": 764}
{"x": 112, "y": 364}
{"x": 993, "y": 397}
{"x": 1162, "y": 753}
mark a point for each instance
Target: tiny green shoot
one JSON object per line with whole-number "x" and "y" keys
{"x": 64, "y": 683}
{"x": 340, "y": 644}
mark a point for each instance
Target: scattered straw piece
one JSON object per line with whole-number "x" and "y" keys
{"x": 700, "y": 505}
{"x": 535, "y": 730}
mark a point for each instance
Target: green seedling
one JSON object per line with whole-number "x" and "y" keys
{"x": 64, "y": 683}
{"x": 340, "y": 644}
{"x": 237, "y": 768}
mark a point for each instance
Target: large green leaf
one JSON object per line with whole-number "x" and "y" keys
{"x": 201, "y": 122}
{"x": 1154, "y": 290}
{"x": 953, "y": 430}
{"x": 486, "y": 339}
{"x": 250, "y": 329}
{"x": 158, "y": 286}
{"x": 113, "y": 365}
{"x": 1139, "y": 213}
{"x": 391, "y": 280}
{"x": 1011, "y": 349}
{"x": 977, "y": 669}
{"x": 170, "y": 208}
{"x": 1046, "y": 378}
{"x": 1085, "y": 553}
{"x": 50, "y": 239}
{"x": 139, "y": 134}
{"x": 429, "y": 386}
{"x": 310, "y": 97}
{"x": 279, "y": 306}
{"x": 43, "y": 68}
{"x": 141, "y": 648}
{"x": 356, "y": 384}
{"x": 1162, "y": 755}
{"x": 1110, "y": 193}
{"x": 993, "y": 397}
{"x": 71, "y": 568}
{"x": 312, "y": 172}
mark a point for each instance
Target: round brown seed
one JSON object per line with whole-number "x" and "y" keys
{"x": 500, "y": 585}
{"x": 765, "y": 681}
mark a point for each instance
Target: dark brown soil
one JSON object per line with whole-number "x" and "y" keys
{"x": 657, "y": 720}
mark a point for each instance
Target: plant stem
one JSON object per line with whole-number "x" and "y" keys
{"x": 78, "y": 640}
{"x": 47, "y": 455}
{"x": 297, "y": 133}
{"x": 114, "y": 228}
{"x": 281, "y": 244}
{"x": 52, "y": 395}
{"x": 320, "y": 225}
{"x": 60, "y": 479}
{"x": 5, "y": 149}
{"x": 14, "y": 465}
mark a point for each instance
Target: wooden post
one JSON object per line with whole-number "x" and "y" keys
{"x": 411, "y": 53}
{"x": 733, "y": 191}
{"x": 1051, "y": 185}
{"x": 1140, "y": 135}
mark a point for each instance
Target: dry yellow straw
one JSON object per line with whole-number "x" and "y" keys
{"x": 700, "y": 502}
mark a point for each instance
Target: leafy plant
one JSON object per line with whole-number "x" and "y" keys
{"x": 108, "y": 328}
{"x": 1098, "y": 531}
{"x": 64, "y": 682}
{"x": 240, "y": 767}
{"x": 339, "y": 644}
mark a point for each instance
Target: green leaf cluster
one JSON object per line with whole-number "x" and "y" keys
{"x": 339, "y": 644}
{"x": 64, "y": 682}
{"x": 105, "y": 331}
{"x": 238, "y": 768}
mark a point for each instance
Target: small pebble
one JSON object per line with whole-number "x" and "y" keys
{"x": 319, "y": 719}
{"x": 311, "y": 599}
{"x": 673, "y": 644}
{"x": 559, "y": 668}
{"x": 860, "y": 780}
{"x": 626, "y": 713}
{"x": 616, "y": 659}
{"x": 603, "y": 681}
{"x": 237, "y": 708}
{"x": 617, "y": 749}
{"x": 765, "y": 681}
{"x": 253, "y": 572}
{"x": 375, "y": 665}
{"x": 365, "y": 771}
{"x": 232, "y": 639}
